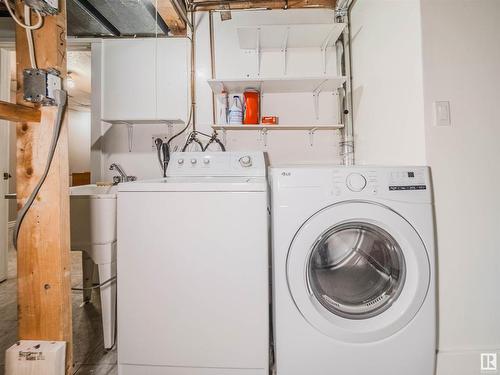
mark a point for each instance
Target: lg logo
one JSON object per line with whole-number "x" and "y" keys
{"x": 286, "y": 174}
{"x": 489, "y": 362}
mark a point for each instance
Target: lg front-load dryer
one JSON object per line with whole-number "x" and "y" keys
{"x": 353, "y": 270}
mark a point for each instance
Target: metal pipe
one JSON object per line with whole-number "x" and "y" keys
{"x": 193, "y": 71}
{"x": 212, "y": 60}
{"x": 343, "y": 11}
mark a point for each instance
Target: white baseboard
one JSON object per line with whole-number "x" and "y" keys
{"x": 464, "y": 362}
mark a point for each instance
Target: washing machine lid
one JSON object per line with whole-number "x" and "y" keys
{"x": 358, "y": 271}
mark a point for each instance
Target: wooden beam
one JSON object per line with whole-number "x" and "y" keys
{"x": 19, "y": 113}
{"x": 43, "y": 270}
{"x": 168, "y": 11}
{"x": 268, "y": 4}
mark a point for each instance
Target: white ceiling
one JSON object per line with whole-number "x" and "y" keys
{"x": 79, "y": 73}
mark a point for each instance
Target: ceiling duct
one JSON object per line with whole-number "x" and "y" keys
{"x": 126, "y": 18}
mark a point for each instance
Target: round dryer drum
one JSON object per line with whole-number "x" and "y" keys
{"x": 358, "y": 271}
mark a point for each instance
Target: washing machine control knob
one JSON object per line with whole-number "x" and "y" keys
{"x": 180, "y": 161}
{"x": 206, "y": 161}
{"x": 246, "y": 161}
{"x": 194, "y": 161}
{"x": 356, "y": 182}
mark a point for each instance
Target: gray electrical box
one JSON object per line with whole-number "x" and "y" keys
{"x": 40, "y": 85}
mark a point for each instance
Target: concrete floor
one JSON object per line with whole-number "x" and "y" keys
{"x": 88, "y": 352}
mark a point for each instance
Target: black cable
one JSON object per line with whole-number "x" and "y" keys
{"x": 166, "y": 157}
{"x": 61, "y": 100}
{"x": 96, "y": 286}
{"x": 188, "y": 123}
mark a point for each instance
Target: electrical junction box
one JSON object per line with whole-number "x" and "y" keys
{"x": 48, "y": 7}
{"x": 28, "y": 357}
{"x": 40, "y": 85}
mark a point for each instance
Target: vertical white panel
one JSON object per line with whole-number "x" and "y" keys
{"x": 79, "y": 133}
{"x": 387, "y": 82}
{"x": 96, "y": 109}
{"x": 172, "y": 78}
{"x": 203, "y": 73}
{"x": 129, "y": 79}
{"x": 461, "y": 65}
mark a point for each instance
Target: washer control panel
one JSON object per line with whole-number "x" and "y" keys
{"x": 208, "y": 164}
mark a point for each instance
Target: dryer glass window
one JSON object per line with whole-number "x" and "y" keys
{"x": 356, "y": 270}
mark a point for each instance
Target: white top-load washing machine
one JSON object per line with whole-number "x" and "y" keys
{"x": 193, "y": 268}
{"x": 353, "y": 270}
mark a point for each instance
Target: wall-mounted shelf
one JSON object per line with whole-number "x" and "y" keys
{"x": 278, "y": 127}
{"x": 277, "y": 85}
{"x": 279, "y": 37}
{"x": 145, "y": 121}
{"x": 264, "y": 129}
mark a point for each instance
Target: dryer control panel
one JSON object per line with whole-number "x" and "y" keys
{"x": 357, "y": 182}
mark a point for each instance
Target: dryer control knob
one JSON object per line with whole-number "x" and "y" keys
{"x": 194, "y": 161}
{"x": 356, "y": 182}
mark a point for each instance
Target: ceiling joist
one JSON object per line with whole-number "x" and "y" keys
{"x": 174, "y": 15}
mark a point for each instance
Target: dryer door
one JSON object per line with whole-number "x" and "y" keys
{"x": 358, "y": 271}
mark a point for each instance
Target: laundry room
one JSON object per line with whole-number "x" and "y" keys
{"x": 249, "y": 187}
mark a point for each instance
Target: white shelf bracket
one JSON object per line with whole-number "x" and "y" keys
{"x": 284, "y": 50}
{"x": 263, "y": 135}
{"x": 257, "y": 50}
{"x": 311, "y": 136}
{"x": 316, "y": 101}
{"x": 324, "y": 48}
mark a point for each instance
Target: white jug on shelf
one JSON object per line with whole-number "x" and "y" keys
{"x": 236, "y": 112}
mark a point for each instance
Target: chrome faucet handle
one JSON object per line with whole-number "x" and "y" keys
{"x": 116, "y": 180}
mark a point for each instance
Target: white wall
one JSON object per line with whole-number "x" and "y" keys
{"x": 461, "y": 49}
{"x": 387, "y": 82}
{"x": 79, "y": 141}
{"x": 233, "y": 62}
{"x": 110, "y": 144}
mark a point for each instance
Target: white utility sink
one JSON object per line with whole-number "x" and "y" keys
{"x": 93, "y": 231}
{"x": 93, "y": 215}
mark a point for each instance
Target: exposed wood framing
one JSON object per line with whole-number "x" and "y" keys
{"x": 268, "y": 4}
{"x": 19, "y": 113}
{"x": 168, "y": 10}
{"x": 43, "y": 270}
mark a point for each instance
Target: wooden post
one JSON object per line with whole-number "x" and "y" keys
{"x": 43, "y": 270}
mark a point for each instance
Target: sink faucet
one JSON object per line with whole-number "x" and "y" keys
{"x": 123, "y": 177}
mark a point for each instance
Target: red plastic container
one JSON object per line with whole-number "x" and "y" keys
{"x": 251, "y": 99}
